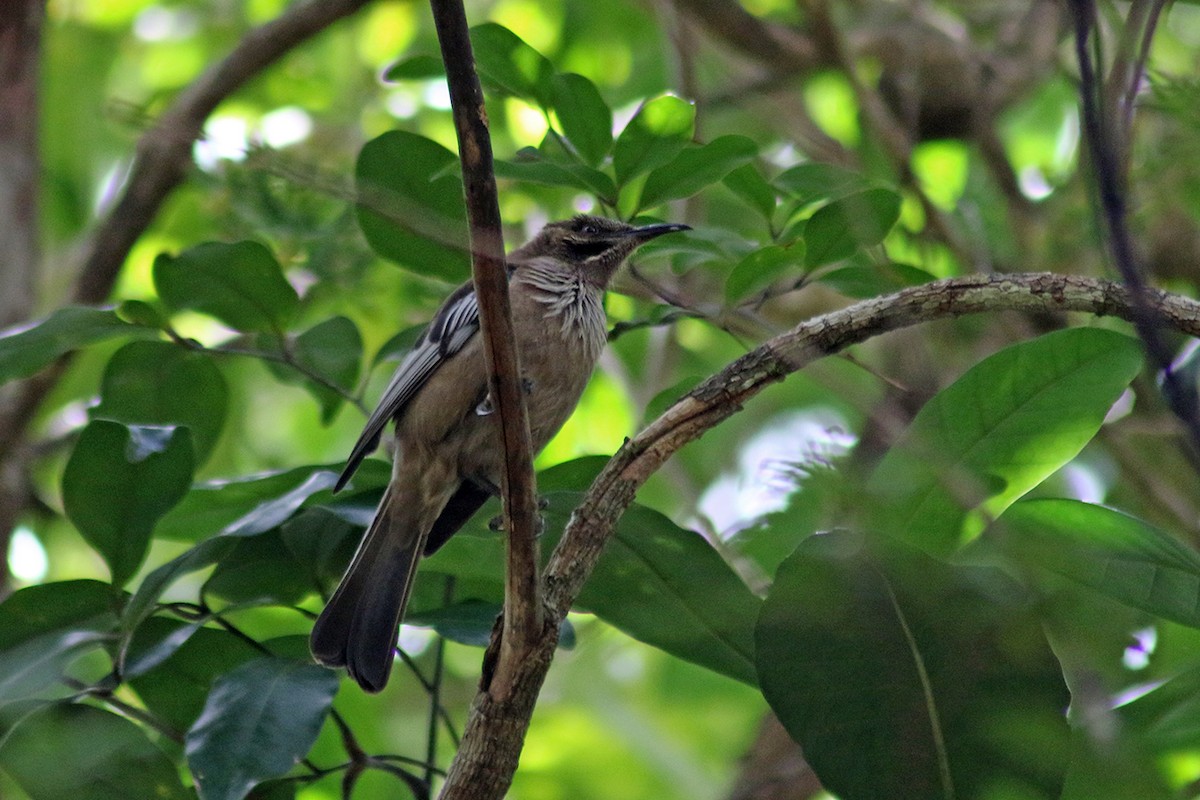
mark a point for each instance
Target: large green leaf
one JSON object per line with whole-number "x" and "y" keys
{"x": 669, "y": 588}
{"x": 119, "y": 482}
{"x": 901, "y": 676}
{"x": 156, "y": 383}
{"x": 240, "y": 284}
{"x": 411, "y": 204}
{"x": 508, "y": 64}
{"x": 43, "y": 628}
{"x": 696, "y": 168}
{"x": 1111, "y": 552}
{"x": 760, "y": 269}
{"x": 260, "y": 569}
{"x": 144, "y": 600}
{"x": 585, "y": 118}
{"x": 749, "y": 184}
{"x": 25, "y": 350}
{"x": 998, "y": 431}
{"x": 80, "y": 752}
{"x": 837, "y": 229}
{"x": 661, "y": 128}
{"x": 259, "y": 720}
{"x": 532, "y": 166}
{"x": 332, "y": 350}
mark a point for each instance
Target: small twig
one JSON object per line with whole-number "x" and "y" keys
{"x": 435, "y": 692}
{"x": 522, "y": 597}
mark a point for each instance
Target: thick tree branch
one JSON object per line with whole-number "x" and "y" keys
{"x": 522, "y": 602}
{"x": 495, "y": 729}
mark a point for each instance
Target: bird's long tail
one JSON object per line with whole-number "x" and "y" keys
{"x": 359, "y": 625}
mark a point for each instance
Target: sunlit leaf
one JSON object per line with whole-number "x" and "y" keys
{"x": 585, "y": 117}
{"x": 695, "y": 168}
{"x": 508, "y": 64}
{"x": 998, "y": 431}
{"x": 836, "y": 230}
{"x": 661, "y": 128}
{"x": 749, "y": 184}
{"x": 331, "y": 350}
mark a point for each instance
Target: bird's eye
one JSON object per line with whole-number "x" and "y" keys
{"x": 590, "y": 230}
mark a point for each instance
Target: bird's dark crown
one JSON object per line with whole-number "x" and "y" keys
{"x": 596, "y": 244}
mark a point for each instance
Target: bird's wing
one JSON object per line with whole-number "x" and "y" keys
{"x": 452, "y": 327}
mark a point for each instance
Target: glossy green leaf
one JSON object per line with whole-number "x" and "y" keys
{"x": 661, "y": 128}
{"x": 322, "y": 543}
{"x": 203, "y": 555}
{"x": 696, "y": 168}
{"x": 240, "y": 284}
{"x": 1112, "y": 553}
{"x": 333, "y": 350}
{"x": 585, "y": 118}
{"x": 156, "y": 383}
{"x": 259, "y": 720}
{"x": 182, "y": 661}
{"x": 26, "y": 349}
{"x": 901, "y": 676}
{"x": 998, "y": 431}
{"x": 508, "y": 64}
{"x": 836, "y": 230}
{"x": 749, "y": 184}
{"x": 119, "y": 482}
{"x": 469, "y": 622}
{"x": 43, "y": 628}
{"x": 760, "y": 269}
{"x": 531, "y": 166}
{"x": 411, "y": 206}
{"x": 872, "y": 280}
{"x": 669, "y": 588}
{"x": 260, "y": 569}
{"x": 96, "y": 755}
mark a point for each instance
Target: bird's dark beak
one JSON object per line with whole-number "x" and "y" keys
{"x": 648, "y": 232}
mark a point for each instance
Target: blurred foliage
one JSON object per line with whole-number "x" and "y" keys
{"x": 917, "y": 555}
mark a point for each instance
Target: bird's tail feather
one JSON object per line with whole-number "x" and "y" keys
{"x": 358, "y": 627}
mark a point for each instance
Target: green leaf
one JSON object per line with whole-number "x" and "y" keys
{"x": 669, "y": 588}
{"x": 836, "y": 230}
{"x": 530, "y": 166}
{"x": 696, "y": 168}
{"x": 142, "y": 604}
{"x": 181, "y": 662}
{"x": 1112, "y": 553}
{"x": 27, "y": 349}
{"x": 322, "y": 544}
{"x": 119, "y": 482}
{"x": 44, "y": 628}
{"x": 660, "y": 129}
{"x": 80, "y": 752}
{"x": 259, "y": 570}
{"x": 415, "y": 68}
{"x": 469, "y": 622}
{"x": 814, "y": 182}
{"x": 585, "y": 118}
{"x": 156, "y": 383}
{"x": 332, "y": 349}
{"x": 510, "y": 65}
{"x": 998, "y": 431}
{"x": 240, "y": 284}
{"x": 251, "y": 505}
{"x": 872, "y": 280}
{"x": 411, "y": 206}
{"x": 760, "y": 269}
{"x": 259, "y": 720}
{"x": 749, "y": 184}
{"x": 901, "y": 676}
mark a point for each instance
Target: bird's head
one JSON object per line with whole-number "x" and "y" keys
{"x": 595, "y": 245}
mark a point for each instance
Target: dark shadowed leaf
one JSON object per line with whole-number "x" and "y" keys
{"x": 259, "y": 720}
{"x": 95, "y": 755}
{"x": 814, "y": 181}
{"x": 143, "y": 602}
{"x": 998, "y": 431}
{"x": 415, "y": 68}
{"x": 1111, "y": 552}
{"x": 119, "y": 482}
{"x": 26, "y": 349}
{"x": 696, "y": 168}
{"x": 889, "y": 695}
{"x": 411, "y": 204}
{"x": 240, "y": 284}
{"x": 156, "y": 383}
{"x": 584, "y": 116}
{"x": 260, "y": 569}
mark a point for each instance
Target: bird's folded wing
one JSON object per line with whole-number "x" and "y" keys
{"x": 452, "y": 327}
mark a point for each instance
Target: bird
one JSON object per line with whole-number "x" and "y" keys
{"x": 448, "y": 452}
